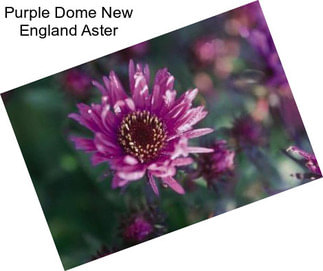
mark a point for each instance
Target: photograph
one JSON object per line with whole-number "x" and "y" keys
{"x": 161, "y": 135}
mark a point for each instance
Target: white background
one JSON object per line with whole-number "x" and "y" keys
{"x": 283, "y": 232}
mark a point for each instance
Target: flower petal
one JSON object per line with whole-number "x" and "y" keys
{"x": 85, "y": 118}
{"x": 300, "y": 152}
{"x": 98, "y": 158}
{"x": 188, "y": 96}
{"x": 162, "y": 171}
{"x": 105, "y": 144}
{"x": 173, "y": 184}
{"x": 153, "y": 184}
{"x": 118, "y": 182}
{"x": 198, "y": 132}
{"x": 100, "y": 87}
{"x": 164, "y": 82}
{"x": 182, "y": 161}
{"x": 131, "y": 175}
{"x": 84, "y": 144}
{"x": 199, "y": 150}
{"x": 130, "y": 160}
{"x": 140, "y": 92}
{"x": 114, "y": 88}
{"x": 191, "y": 117}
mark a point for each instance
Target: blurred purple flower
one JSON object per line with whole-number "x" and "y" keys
{"x": 142, "y": 134}
{"x": 203, "y": 82}
{"x": 309, "y": 159}
{"x": 220, "y": 53}
{"x": 77, "y": 82}
{"x": 262, "y": 41}
{"x": 247, "y": 131}
{"x": 281, "y": 98}
{"x": 135, "y": 51}
{"x": 212, "y": 166}
{"x": 140, "y": 49}
{"x": 138, "y": 230}
{"x": 241, "y": 20}
{"x": 205, "y": 50}
{"x": 260, "y": 38}
{"x": 143, "y": 223}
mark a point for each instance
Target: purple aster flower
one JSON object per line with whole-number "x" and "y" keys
{"x": 144, "y": 133}
{"x": 143, "y": 223}
{"x": 248, "y": 132}
{"x": 309, "y": 160}
{"x": 138, "y": 230}
{"x": 213, "y": 166}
